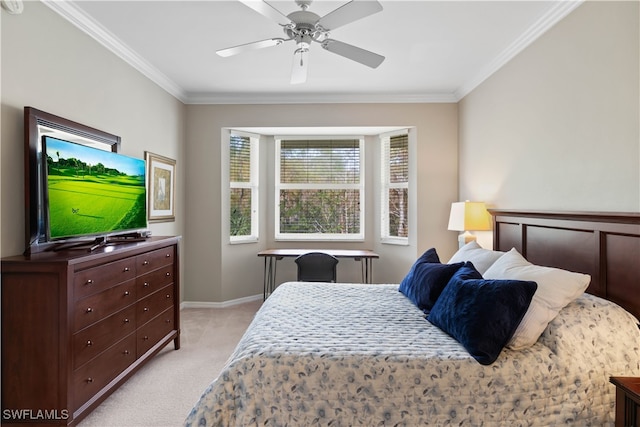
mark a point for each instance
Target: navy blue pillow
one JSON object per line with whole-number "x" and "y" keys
{"x": 426, "y": 279}
{"x": 482, "y": 315}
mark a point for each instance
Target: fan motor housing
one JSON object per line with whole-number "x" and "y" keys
{"x": 305, "y": 26}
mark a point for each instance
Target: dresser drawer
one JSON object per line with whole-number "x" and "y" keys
{"x": 93, "y": 280}
{"x": 149, "y": 334}
{"x": 93, "y": 340}
{"x": 157, "y": 279}
{"x": 96, "y": 307}
{"x": 154, "y": 304}
{"x": 155, "y": 259}
{"x": 93, "y": 376}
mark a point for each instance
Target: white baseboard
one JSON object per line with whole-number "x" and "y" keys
{"x": 224, "y": 304}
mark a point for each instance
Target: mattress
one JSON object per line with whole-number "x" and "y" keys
{"x": 358, "y": 354}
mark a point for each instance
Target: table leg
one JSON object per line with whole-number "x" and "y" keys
{"x": 273, "y": 274}
{"x": 367, "y": 269}
{"x": 265, "y": 279}
{"x": 269, "y": 280}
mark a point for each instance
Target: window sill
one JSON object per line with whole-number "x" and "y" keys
{"x": 243, "y": 240}
{"x": 399, "y": 241}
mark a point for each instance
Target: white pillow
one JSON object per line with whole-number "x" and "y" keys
{"x": 556, "y": 289}
{"x": 481, "y": 258}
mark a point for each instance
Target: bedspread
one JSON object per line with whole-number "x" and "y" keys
{"x": 338, "y": 354}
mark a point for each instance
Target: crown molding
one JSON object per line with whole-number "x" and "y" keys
{"x": 558, "y": 11}
{"x": 318, "y": 98}
{"x": 90, "y": 27}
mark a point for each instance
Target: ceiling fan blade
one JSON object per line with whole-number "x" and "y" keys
{"x": 354, "y": 53}
{"x": 349, "y": 12}
{"x": 300, "y": 66}
{"x": 249, "y": 46}
{"x": 264, "y": 8}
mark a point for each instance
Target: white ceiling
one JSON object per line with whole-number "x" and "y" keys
{"x": 436, "y": 51}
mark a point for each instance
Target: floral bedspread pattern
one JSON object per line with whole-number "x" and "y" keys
{"x": 364, "y": 355}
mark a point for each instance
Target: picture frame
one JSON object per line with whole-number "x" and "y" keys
{"x": 161, "y": 194}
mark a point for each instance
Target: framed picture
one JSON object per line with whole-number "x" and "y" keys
{"x": 161, "y": 173}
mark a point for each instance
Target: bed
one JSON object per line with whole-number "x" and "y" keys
{"x": 359, "y": 354}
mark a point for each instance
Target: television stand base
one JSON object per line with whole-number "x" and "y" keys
{"x": 92, "y": 245}
{"x": 99, "y": 242}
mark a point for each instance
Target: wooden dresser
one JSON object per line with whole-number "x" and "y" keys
{"x": 76, "y": 325}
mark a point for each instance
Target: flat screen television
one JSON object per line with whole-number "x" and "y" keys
{"x": 79, "y": 191}
{"x": 91, "y": 192}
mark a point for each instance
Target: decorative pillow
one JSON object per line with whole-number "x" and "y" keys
{"x": 556, "y": 289}
{"x": 426, "y": 279}
{"x": 481, "y": 258}
{"x": 430, "y": 255}
{"x": 482, "y": 315}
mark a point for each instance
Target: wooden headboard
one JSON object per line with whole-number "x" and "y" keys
{"x": 605, "y": 245}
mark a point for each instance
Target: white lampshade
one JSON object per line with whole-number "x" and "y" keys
{"x": 468, "y": 216}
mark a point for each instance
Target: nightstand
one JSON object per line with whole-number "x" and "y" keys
{"x": 627, "y": 401}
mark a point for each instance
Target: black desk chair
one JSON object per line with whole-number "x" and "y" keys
{"x": 316, "y": 267}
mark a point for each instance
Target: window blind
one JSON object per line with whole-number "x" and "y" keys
{"x": 320, "y": 162}
{"x": 399, "y": 159}
{"x": 239, "y": 159}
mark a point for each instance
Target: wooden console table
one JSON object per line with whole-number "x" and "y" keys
{"x": 272, "y": 256}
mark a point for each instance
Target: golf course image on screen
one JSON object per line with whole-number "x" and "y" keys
{"x": 91, "y": 191}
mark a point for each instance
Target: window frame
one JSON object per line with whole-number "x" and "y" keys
{"x": 310, "y": 237}
{"x": 386, "y": 185}
{"x": 252, "y": 184}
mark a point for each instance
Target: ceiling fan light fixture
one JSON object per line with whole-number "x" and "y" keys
{"x": 300, "y": 64}
{"x": 305, "y": 27}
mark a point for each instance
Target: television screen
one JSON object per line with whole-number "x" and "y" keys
{"x": 92, "y": 192}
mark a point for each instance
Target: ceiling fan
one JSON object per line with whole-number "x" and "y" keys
{"x": 305, "y": 27}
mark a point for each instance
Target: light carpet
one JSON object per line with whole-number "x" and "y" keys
{"x": 162, "y": 392}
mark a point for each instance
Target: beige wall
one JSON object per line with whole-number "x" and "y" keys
{"x": 557, "y": 128}
{"x": 218, "y": 271}
{"x": 49, "y": 64}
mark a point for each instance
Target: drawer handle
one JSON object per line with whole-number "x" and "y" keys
{"x": 126, "y": 320}
{"x": 89, "y": 380}
{"x": 126, "y": 293}
{"x": 145, "y": 338}
{"x": 168, "y": 274}
{"x": 168, "y": 255}
{"x": 89, "y": 343}
{"x": 126, "y": 269}
{"x": 89, "y": 282}
{"x": 145, "y": 262}
{"x": 168, "y": 321}
{"x": 146, "y": 284}
{"x": 145, "y": 309}
{"x": 126, "y": 352}
{"x": 89, "y": 309}
{"x": 168, "y": 296}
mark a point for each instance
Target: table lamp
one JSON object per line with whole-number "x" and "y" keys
{"x": 468, "y": 216}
